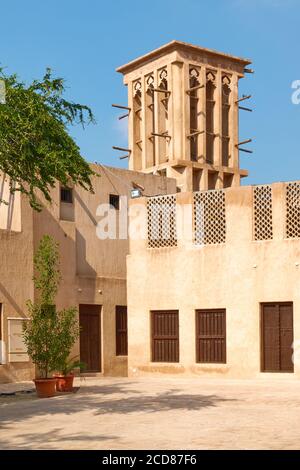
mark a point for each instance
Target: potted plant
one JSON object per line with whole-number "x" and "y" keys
{"x": 40, "y": 339}
{"x": 50, "y": 334}
{"x": 65, "y": 377}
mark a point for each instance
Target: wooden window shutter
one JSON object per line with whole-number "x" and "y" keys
{"x": 165, "y": 336}
{"x": 121, "y": 331}
{"x": 211, "y": 336}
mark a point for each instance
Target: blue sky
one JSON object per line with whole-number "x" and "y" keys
{"x": 84, "y": 41}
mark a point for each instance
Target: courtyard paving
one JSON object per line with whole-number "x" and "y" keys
{"x": 155, "y": 413}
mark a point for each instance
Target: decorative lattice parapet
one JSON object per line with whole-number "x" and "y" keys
{"x": 209, "y": 217}
{"x": 161, "y": 218}
{"x": 262, "y": 213}
{"x": 292, "y": 197}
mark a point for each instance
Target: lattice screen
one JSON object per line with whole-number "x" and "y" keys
{"x": 209, "y": 217}
{"x": 161, "y": 212}
{"x": 293, "y": 210}
{"x": 262, "y": 213}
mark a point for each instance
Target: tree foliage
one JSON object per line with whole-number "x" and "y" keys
{"x": 47, "y": 273}
{"x": 36, "y": 149}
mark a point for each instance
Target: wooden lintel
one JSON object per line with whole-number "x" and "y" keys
{"x": 121, "y": 106}
{"x": 123, "y": 116}
{"x": 245, "y": 150}
{"x": 156, "y": 134}
{"x": 245, "y": 109}
{"x": 161, "y": 90}
{"x": 122, "y": 149}
{"x": 243, "y": 98}
{"x": 194, "y": 88}
{"x": 244, "y": 142}
{"x": 193, "y": 134}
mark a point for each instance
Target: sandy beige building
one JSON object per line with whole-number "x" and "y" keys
{"x": 220, "y": 297}
{"x": 93, "y": 269}
{"x": 211, "y": 285}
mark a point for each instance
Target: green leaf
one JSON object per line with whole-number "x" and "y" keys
{"x": 36, "y": 149}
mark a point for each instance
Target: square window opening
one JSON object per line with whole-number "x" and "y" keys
{"x": 66, "y": 195}
{"x": 114, "y": 201}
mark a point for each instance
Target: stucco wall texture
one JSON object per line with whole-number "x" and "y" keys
{"x": 237, "y": 275}
{"x": 93, "y": 270}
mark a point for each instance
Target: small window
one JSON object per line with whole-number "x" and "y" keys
{"x": 211, "y": 336}
{"x": 114, "y": 201}
{"x": 165, "y": 336}
{"x": 121, "y": 331}
{"x": 66, "y": 195}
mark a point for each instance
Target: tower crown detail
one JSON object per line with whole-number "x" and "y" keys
{"x": 183, "y": 119}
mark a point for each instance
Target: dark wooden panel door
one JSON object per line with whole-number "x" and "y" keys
{"x": 90, "y": 336}
{"x": 121, "y": 331}
{"x": 277, "y": 337}
{"x": 270, "y": 337}
{"x": 286, "y": 337}
{"x": 211, "y": 336}
{"x": 165, "y": 336}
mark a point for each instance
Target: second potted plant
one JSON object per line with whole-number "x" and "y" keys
{"x": 65, "y": 377}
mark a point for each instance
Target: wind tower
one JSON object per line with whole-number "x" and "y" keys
{"x": 183, "y": 112}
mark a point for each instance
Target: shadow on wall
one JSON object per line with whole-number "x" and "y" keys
{"x": 14, "y": 305}
{"x": 47, "y": 224}
{"x": 72, "y": 252}
{"x": 82, "y": 266}
{"x": 6, "y": 295}
{"x": 14, "y": 371}
{"x": 10, "y": 210}
{"x": 85, "y": 208}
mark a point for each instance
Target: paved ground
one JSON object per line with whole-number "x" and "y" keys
{"x": 156, "y": 413}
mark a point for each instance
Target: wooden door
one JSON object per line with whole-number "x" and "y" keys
{"x": 277, "y": 337}
{"x": 90, "y": 336}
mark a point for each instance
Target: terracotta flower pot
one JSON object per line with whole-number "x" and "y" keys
{"x": 45, "y": 388}
{"x": 64, "y": 383}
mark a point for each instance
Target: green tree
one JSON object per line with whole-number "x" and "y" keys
{"x": 49, "y": 335}
{"x": 36, "y": 149}
{"x": 47, "y": 274}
